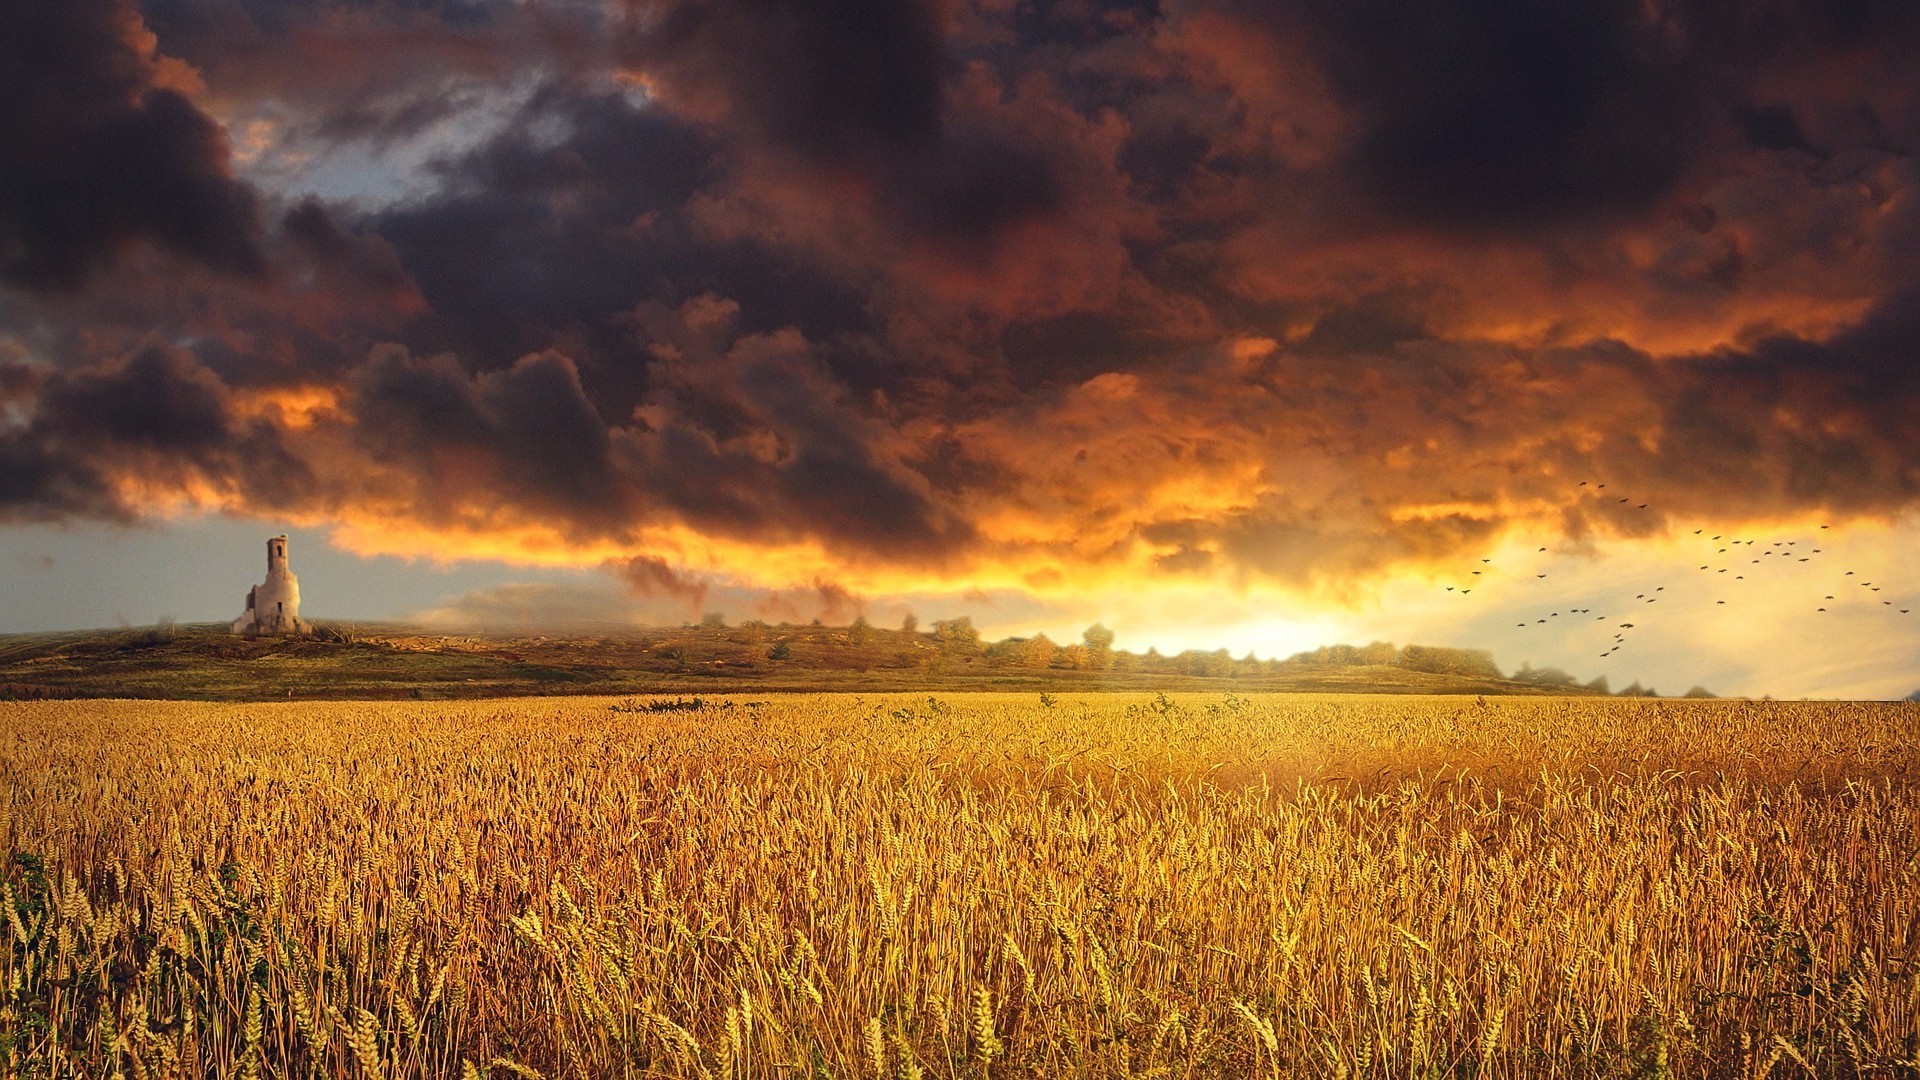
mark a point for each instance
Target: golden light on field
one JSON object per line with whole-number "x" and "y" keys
{"x": 969, "y": 885}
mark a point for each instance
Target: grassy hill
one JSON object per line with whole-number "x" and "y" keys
{"x": 207, "y": 663}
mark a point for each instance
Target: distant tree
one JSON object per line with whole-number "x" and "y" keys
{"x": 1339, "y": 656}
{"x": 1599, "y": 685}
{"x": 780, "y": 651}
{"x": 1700, "y": 692}
{"x": 1379, "y": 652}
{"x": 1476, "y": 663}
{"x": 957, "y": 635}
{"x": 1634, "y": 689}
{"x": 1098, "y": 647}
{"x": 909, "y": 625}
{"x": 713, "y": 620}
{"x": 860, "y": 632}
{"x": 1915, "y": 696}
{"x": 1037, "y": 652}
{"x": 1198, "y": 662}
{"x": 1076, "y": 658}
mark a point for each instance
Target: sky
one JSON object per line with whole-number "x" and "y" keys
{"x": 1227, "y": 324}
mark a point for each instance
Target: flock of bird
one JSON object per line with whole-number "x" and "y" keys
{"x": 1726, "y": 549}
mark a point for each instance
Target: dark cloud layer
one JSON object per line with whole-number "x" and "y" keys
{"x": 98, "y": 152}
{"x": 963, "y": 292}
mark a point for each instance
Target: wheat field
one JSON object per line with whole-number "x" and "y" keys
{"x": 963, "y": 886}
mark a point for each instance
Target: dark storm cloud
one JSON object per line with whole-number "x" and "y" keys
{"x": 1502, "y": 110}
{"x": 527, "y": 433}
{"x": 97, "y": 154}
{"x": 104, "y": 438}
{"x": 1209, "y": 289}
{"x": 762, "y": 441}
{"x": 1505, "y": 114}
{"x": 1828, "y": 423}
{"x": 535, "y": 244}
{"x": 833, "y": 79}
{"x": 859, "y": 88}
{"x": 161, "y": 400}
{"x": 203, "y": 29}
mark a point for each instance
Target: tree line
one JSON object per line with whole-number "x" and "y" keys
{"x": 958, "y": 641}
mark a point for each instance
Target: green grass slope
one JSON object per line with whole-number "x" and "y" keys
{"x": 207, "y": 663}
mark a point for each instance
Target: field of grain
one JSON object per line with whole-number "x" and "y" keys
{"x": 962, "y": 886}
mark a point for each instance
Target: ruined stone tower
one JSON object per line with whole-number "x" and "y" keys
{"x": 273, "y": 606}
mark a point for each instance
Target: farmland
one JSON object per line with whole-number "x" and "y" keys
{"x": 961, "y": 885}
